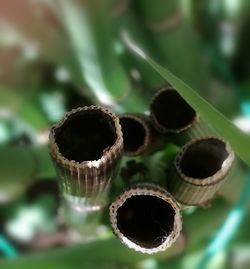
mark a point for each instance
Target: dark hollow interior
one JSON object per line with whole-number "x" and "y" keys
{"x": 146, "y": 220}
{"x": 204, "y": 158}
{"x": 85, "y": 135}
{"x": 171, "y": 111}
{"x": 133, "y": 134}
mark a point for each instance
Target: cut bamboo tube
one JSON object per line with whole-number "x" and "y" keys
{"x": 138, "y": 134}
{"x": 86, "y": 147}
{"x": 199, "y": 170}
{"x": 146, "y": 218}
{"x": 172, "y": 115}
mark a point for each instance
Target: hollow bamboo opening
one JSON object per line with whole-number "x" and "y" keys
{"x": 203, "y": 158}
{"x": 146, "y": 218}
{"x": 170, "y": 112}
{"x": 85, "y": 135}
{"x": 136, "y": 134}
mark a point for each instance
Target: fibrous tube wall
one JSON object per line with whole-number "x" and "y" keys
{"x": 86, "y": 146}
{"x": 199, "y": 169}
{"x": 146, "y": 218}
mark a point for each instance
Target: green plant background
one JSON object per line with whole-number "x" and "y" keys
{"x": 58, "y": 55}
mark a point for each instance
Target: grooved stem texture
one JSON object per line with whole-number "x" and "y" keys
{"x": 199, "y": 170}
{"x": 86, "y": 147}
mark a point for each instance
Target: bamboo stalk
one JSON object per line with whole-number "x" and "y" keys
{"x": 110, "y": 250}
{"x": 86, "y": 147}
{"x": 199, "y": 169}
{"x": 170, "y": 113}
{"x": 138, "y": 134}
{"x": 175, "y": 42}
{"x": 232, "y": 188}
{"x": 173, "y": 116}
{"x": 146, "y": 218}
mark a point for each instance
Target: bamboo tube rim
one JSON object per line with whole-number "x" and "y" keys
{"x": 147, "y": 138}
{"x": 108, "y": 155}
{"x": 147, "y": 190}
{"x": 160, "y": 127}
{"x": 210, "y": 180}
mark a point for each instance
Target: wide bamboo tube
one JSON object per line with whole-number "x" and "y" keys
{"x": 145, "y": 217}
{"x": 86, "y": 147}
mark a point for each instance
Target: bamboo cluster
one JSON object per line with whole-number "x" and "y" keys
{"x": 86, "y": 147}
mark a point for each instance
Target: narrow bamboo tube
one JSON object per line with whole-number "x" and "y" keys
{"x": 199, "y": 170}
{"x": 138, "y": 134}
{"x": 172, "y": 115}
{"x": 86, "y": 147}
{"x": 146, "y": 218}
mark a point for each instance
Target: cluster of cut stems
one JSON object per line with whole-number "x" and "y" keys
{"x": 87, "y": 145}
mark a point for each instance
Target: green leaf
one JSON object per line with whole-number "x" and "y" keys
{"x": 89, "y": 36}
{"x": 239, "y": 141}
{"x": 108, "y": 252}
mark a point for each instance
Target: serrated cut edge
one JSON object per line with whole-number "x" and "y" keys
{"x": 88, "y": 178}
{"x": 150, "y": 190}
{"x": 195, "y": 191}
{"x": 161, "y": 128}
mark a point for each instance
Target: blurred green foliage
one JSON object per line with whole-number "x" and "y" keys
{"x": 58, "y": 55}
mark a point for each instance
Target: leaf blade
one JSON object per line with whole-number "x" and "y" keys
{"x": 239, "y": 141}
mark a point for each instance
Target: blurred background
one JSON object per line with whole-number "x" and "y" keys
{"x": 61, "y": 54}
